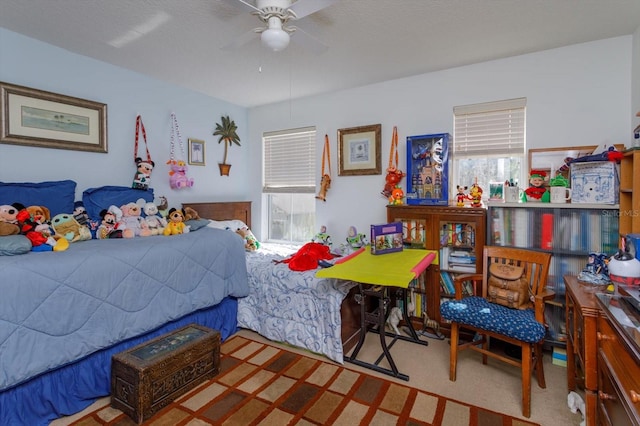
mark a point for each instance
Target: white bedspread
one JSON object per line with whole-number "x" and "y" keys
{"x": 292, "y": 307}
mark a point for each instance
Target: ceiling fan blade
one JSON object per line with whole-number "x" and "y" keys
{"x": 241, "y": 4}
{"x": 242, "y": 39}
{"x": 303, "y": 8}
{"x": 307, "y": 41}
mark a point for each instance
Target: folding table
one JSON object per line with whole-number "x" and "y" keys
{"x": 376, "y": 275}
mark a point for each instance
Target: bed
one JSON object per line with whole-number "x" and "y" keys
{"x": 297, "y": 308}
{"x": 64, "y": 314}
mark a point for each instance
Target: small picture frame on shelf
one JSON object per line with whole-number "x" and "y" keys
{"x": 496, "y": 191}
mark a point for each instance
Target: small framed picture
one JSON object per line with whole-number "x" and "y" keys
{"x": 196, "y": 152}
{"x": 496, "y": 191}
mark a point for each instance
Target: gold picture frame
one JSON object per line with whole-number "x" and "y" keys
{"x": 196, "y": 152}
{"x": 42, "y": 119}
{"x": 359, "y": 150}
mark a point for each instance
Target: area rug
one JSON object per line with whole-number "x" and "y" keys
{"x": 260, "y": 384}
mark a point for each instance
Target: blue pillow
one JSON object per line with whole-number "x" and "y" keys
{"x": 11, "y": 245}
{"x": 57, "y": 196}
{"x": 97, "y": 199}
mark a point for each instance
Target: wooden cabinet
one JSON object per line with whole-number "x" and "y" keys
{"x": 630, "y": 200}
{"x": 581, "y": 323}
{"x": 618, "y": 362}
{"x": 448, "y": 230}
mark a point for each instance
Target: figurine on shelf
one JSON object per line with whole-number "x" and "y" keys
{"x": 536, "y": 190}
{"x": 475, "y": 195}
{"x": 461, "y": 196}
{"x": 395, "y": 199}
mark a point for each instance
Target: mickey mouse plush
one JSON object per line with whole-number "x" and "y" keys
{"x": 176, "y": 224}
{"x": 142, "y": 178}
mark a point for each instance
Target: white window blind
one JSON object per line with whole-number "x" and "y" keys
{"x": 290, "y": 161}
{"x": 491, "y": 128}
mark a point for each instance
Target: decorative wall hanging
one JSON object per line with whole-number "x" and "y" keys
{"x": 394, "y": 175}
{"x": 227, "y": 130}
{"x": 178, "y": 168}
{"x": 142, "y": 178}
{"x": 196, "y": 152}
{"x": 359, "y": 150}
{"x": 48, "y": 120}
{"x": 325, "y": 179}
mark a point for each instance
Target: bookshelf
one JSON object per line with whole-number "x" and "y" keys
{"x": 458, "y": 233}
{"x": 569, "y": 231}
{"x": 630, "y": 200}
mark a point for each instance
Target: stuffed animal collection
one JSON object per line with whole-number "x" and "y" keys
{"x": 176, "y": 225}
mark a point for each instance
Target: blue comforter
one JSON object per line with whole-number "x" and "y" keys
{"x": 58, "y": 307}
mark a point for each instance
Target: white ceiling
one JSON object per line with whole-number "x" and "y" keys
{"x": 369, "y": 40}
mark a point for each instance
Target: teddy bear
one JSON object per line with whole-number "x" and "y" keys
{"x": 66, "y": 226}
{"x": 191, "y": 214}
{"x": 155, "y": 222}
{"x": 250, "y": 241}
{"x": 132, "y": 221}
{"x": 8, "y": 220}
{"x": 110, "y": 226}
{"x": 176, "y": 225}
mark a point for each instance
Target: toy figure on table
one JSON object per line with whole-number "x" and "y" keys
{"x": 475, "y": 195}
{"x": 596, "y": 270}
{"x": 536, "y": 190}
{"x": 461, "y": 196}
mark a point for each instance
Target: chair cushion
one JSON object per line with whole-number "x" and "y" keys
{"x": 477, "y": 312}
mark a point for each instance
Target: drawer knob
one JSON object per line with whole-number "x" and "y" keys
{"x": 635, "y": 396}
{"x": 603, "y": 337}
{"x": 605, "y": 396}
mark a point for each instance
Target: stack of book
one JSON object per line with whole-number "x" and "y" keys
{"x": 462, "y": 261}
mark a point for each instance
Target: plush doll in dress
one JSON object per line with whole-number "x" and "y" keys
{"x": 250, "y": 241}
{"x": 134, "y": 224}
{"x": 8, "y": 221}
{"x": 176, "y": 225}
{"x": 155, "y": 222}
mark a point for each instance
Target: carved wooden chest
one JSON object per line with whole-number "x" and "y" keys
{"x": 148, "y": 377}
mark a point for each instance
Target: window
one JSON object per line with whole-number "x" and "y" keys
{"x": 289, "y": 184}
{"x": 489, "y": 143}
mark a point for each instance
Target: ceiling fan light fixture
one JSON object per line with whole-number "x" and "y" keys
{"x": 275, "y": 39}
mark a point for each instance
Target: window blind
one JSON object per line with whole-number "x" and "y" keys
{"x": 491, "y": 128}
{"x": 290, "y": 161}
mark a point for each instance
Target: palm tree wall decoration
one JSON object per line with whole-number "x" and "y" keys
{"x": 227, "y": 130}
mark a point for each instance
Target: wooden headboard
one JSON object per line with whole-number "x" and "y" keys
{"x": 223, "y": 210}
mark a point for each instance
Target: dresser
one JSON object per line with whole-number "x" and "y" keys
{"x": 582, "y": 320}
{"x": 618, "y": 338}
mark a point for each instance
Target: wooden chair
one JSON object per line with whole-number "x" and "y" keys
{"x": 524, "y": 328}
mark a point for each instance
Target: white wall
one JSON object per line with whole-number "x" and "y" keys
{"x": 577, "y": 95}
{"x": 38, "y": 65}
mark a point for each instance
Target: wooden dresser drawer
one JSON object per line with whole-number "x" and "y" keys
{"x": 618, "y": 379}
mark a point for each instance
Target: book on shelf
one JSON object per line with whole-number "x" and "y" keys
{"x": 447, "y": 283}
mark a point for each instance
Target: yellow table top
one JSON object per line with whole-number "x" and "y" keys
{"x": 396, "y": 269}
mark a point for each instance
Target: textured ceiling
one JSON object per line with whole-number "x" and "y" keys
{"x": 179, "y": 41}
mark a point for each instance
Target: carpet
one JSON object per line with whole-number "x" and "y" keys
{"x": 260, "y": 384}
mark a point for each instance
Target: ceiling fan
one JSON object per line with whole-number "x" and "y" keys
{"x": 276, "y": 16}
